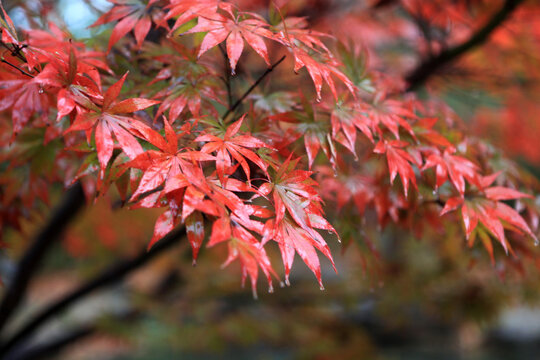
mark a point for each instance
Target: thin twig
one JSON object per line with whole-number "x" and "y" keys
{"x": 431, "y": 65}
{"x": 227, "y": 78}
{"x": 16, "y": 67}
{"x": 248, "y": 91}
{"x": 16, "y": 51}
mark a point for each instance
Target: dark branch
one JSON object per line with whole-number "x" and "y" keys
{"x": 113, "y": 274}
{"x": 227, "y": 78}
{"x": 16, "y": 67}
{"x": 431, "y": 65}
{"x": 248, "y": 91}
{"x": 53, "y": 347}
{"x": 16, "y": 51}
{"x": 72, "y": 202}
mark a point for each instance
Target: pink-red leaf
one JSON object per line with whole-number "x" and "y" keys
{"x": 195, "y": 232}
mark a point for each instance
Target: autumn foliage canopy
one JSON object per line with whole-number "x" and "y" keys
{"x": 253, "y": 131}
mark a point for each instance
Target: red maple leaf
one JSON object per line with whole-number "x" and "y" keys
{"x": 293, "y": 239}
{"x": 165, "y": 163}
{"x": 186, "y": 203}
{"x": 453, "y": 167}
{"x": 25, "y": 97}
{"x": 297, "y": 214}
{"x": 77, "y": 83}
{"x": 346, "y": 119}
{"x": 392, "y": 114}
{"x": 294, "y": 30}
{"x": 347, "y": 187}
{"x": 399, "y": 161}
{"x": 182, "y": 94}
{"x": 310, "y": 52}
{"x": 9, "y": 36}
{"x": 494, "y": 215}
{"x": 106, "y": 121}
{"x": 245, "y": 247}
{"x": 186, "y": 10}
{"x": 136, "y": 16}
{"x": 424, "y": 130}
{"x": 233, "y": 147}
{"x": 321, "y": 70}
{"x": 235, "y": 31}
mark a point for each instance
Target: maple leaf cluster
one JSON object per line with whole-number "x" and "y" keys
{"x": 169, "y": 134}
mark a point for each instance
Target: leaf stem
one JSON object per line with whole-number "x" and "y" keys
{"x": 16, "y": 51}
{"x": 253, "y": 86}
{"x": 16, "y": 67}
{"x": 227, "y": 78}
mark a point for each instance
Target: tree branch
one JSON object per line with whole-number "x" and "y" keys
{"x": 248, "y": 91}
{"x": 53, "y": 347}
{"x": 114, "y": 273}
{"x": 431, "y": 65}
{"x": 227, "y": 78}
{"x": 16, "y": 51}
{"x": 17, "y": 68}
{"x": 72, "y": 202}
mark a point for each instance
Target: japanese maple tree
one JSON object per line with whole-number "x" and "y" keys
{"x": 201, "y": 109}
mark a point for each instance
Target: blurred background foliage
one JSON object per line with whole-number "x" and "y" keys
{"x": 397, "y": 295}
